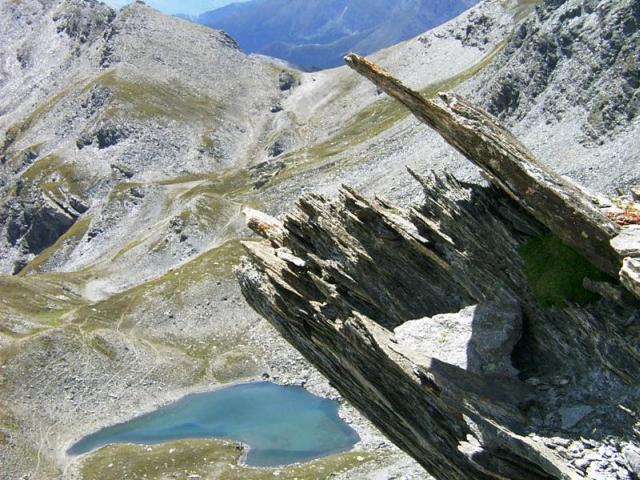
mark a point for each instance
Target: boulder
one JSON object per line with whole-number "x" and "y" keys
{"x": 286, "y": 81}
{"x": 478, "y": 338}
{"x": 627, "y": 243}
{"x": 630, "y": 275}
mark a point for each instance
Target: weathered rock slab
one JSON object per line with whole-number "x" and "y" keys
{"x": 571, "y": 416}
{"x": 478, "y": 338}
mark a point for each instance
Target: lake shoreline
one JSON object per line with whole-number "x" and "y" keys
{"x": 321, "y": 389}
{"x": 283, "y": 425}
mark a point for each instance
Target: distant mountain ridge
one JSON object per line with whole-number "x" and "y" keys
{"x": 317, "y": 33}
{"x": 179, "y": 8}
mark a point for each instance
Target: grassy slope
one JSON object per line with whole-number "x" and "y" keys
{"x": 205, "y": 458}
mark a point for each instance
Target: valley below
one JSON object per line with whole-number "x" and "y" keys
{"x": 130, "y": 144}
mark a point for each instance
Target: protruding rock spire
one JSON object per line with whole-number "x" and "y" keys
{"x": 560, "y": 205}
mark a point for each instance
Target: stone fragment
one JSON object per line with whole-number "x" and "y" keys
{"x": 286, "y": 81}
{"x": 110, "y": 134}
{"x": 264, "y": 225}
{"x": 630, "y": 275}
{"x": 627, "y": 243}
{"x": 286, "y": 255}
{"x": 632, "y": 456}
{"x": 445, "y": 337}
{"x": 277, "y": 148}
{"x": 497, "y": 327}
{"x": 605, "y": 289}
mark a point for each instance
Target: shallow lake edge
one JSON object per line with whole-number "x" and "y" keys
{"x": 67, "y": 460}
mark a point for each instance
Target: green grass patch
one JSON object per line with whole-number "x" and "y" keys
{"x": 40, "y": 300}
{"x": 36, "y": 296}
{"x": 555, "y": 272}
{"x": 15, "y": 131}
{"x": 229, "y": 182}
{"x": 206, "y": 458}
{"x": 122, "y": 190}
{"x": 210, "y": 212}
{"x": 100, "y": 345}
{"x": 216, "y": 263}
{"x": 143, "y": 99}
{"x": 128, "y": 248}
{"x": 16, "y": 160}
{"x": 220, "y": 358}
{"x": 52, "y": 174}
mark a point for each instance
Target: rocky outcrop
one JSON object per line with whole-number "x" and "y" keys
{"x": 357, "y": 285}
{"x": 83, "y": 21}
{"x": 479, "y": 338}
{"x": 37, "y": 220}
{"x": 630, "y": 275}
{"x": 571, "y": 52}
{"x": 509, "y": 165}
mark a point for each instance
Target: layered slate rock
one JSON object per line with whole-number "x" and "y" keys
{"x": 338, "y": 277}
{"x": 509, "y": 165}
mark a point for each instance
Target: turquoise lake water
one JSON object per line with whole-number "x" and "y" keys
{"x": 282, "y": 425}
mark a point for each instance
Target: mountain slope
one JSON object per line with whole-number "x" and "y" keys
{"x": 122, "y": 109}
{"x": 570, "y": 75}
{"x": 163, "y": 130}
{"x": 317, "y": 34}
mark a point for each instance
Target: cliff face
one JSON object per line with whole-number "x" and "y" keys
{"x": 570, "y": 75}
{"x": 509, "y": 387}
{"x": 571, "y": 53}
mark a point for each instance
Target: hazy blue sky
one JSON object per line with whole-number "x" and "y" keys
{"x": 190, "y": 7}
